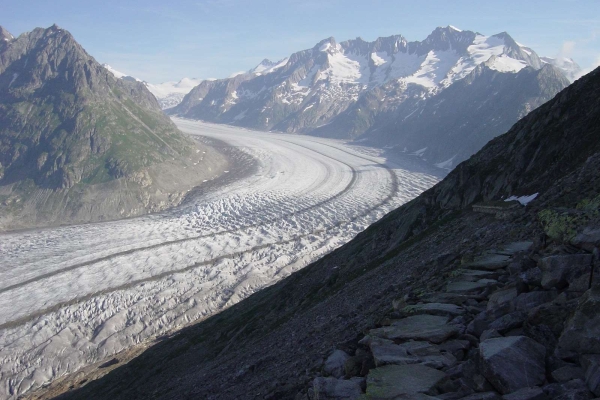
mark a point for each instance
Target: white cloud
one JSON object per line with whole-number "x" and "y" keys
{"x": 567, "y": 49}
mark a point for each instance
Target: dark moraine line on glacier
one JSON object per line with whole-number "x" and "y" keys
{"x": 22, "y": 320}
{"x": 170, "y": 242}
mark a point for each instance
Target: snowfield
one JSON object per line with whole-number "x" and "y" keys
{"x": 73, "y": 296}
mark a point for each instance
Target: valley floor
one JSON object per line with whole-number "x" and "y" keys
{"x": 73, "y": 296}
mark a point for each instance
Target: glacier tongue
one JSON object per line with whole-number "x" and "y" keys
{"x": 73, "y": 296}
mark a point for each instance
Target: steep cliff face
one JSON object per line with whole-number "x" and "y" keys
{"x": 277, "y": 343}
{"x": 68, "y": 126}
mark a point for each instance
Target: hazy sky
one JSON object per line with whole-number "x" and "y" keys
{"x": 166, "y": 40}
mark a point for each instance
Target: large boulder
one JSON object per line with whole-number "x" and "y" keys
{"x": 527, "y": 301}
{"x": 334, "y": 365}
{"x": 392, "y": 381}
{"x": 582, "y": 332}
{"x": 502, "y": 298}
{"x": 588, "y": 239}
{"x": 512, "y": 363}
{"x": 591, "y": 364}
{"x": 559, "y": 271}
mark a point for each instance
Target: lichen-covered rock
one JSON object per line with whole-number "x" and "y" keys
{"x": 512, "y": 363}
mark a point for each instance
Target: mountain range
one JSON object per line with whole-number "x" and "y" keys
{"x": 168, "y": 94}
{"x": 78, "y": 144}
{"x": 390, "y": 92}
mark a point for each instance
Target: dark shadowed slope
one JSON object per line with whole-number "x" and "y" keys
{"x": 273, "y": 344}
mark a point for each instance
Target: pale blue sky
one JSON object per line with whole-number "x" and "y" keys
{"x": 167, "y": 40}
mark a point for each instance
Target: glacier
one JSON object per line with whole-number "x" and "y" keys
{"x": 75, "y": 296}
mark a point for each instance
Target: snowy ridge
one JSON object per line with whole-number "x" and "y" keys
{"x": 569, "y": 67}
{"x": 312, "y": 87}
{"x": 168, "y": 94}
{"x": 119, "y": 74}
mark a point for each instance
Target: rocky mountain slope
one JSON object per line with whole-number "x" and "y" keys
{"x": 433, "y": 301}
{"x": 79, "y": 145}
{"x": 168, "y": 94}
{"x": 383, "y": 92}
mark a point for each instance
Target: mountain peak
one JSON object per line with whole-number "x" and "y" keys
{"x": 5, "y": 36}
{"x": 326, "y": 44}
{"x": 446, "y": 38}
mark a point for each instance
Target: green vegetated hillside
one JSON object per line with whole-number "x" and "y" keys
{"x": 79, "y": 145}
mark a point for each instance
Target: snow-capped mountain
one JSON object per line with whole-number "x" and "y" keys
{"x": 121, "y": 75}
{"x": 313, "y": 91}
{"x": 568, "y": 66}
{"x": 168, "y": 94}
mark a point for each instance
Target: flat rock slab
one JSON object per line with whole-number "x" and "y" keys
{"x": 512, "y": 363}
{"x": 331, "y": 388}
{"x": 389, "y": 353}
{"x": 392, "y": 381}
{"x": 463, "y": 287}
{"x": 450, "y": 298}
{"x": 443, "y": 309}
{"x": 490, "y": 262}
{"x": 432, "y": 328}
{"x": 514, "y": 248}
{"x": 420, "y": 348}
{"x": 476, "y": 274}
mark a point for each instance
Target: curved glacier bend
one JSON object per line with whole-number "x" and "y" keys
{"x": 73, "y": 296}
